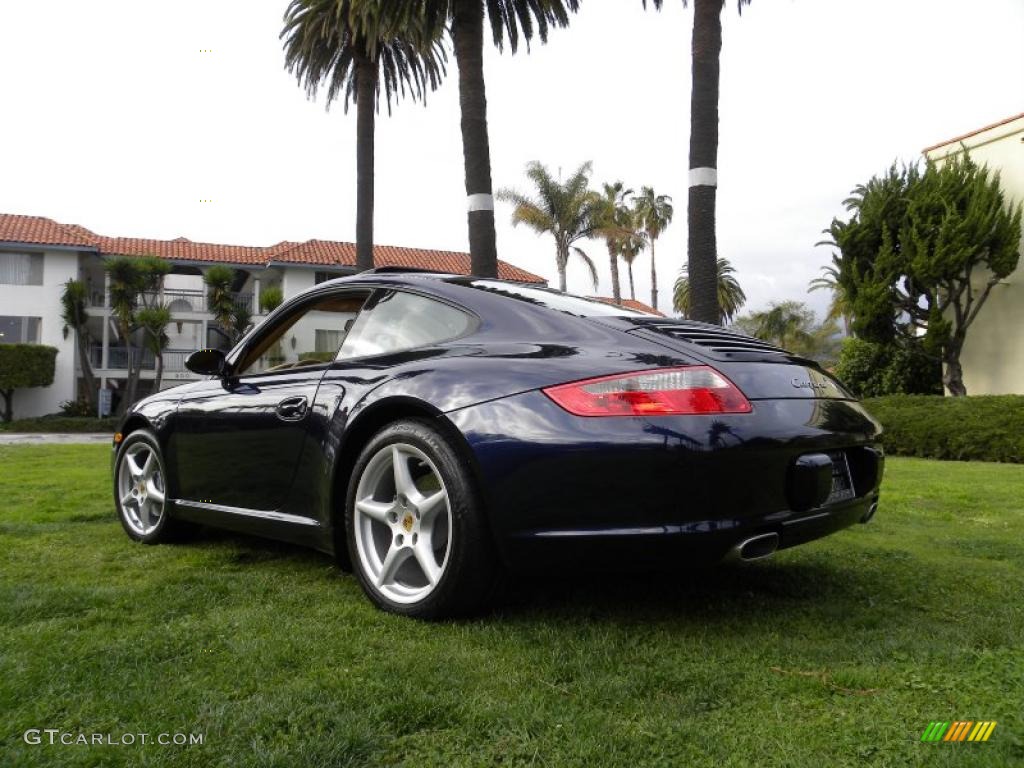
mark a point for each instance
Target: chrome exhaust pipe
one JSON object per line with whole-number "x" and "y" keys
{"x": 869, "y": 514}
{"x": 755, "y": 548}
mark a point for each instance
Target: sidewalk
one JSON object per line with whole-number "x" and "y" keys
{"x": 58, "y": 438}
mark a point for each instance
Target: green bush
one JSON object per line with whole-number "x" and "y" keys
{"x": 56, "y": 422}
{"x": 320, "y": 357}
{"x": 271, "y": 298}
{"x": 872, "y": 370}
{"x": 982, "y": 428}
{"x": 23, "y": 366}
{"x": 77, "y": 408}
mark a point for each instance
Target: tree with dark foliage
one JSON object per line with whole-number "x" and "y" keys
{"x": 922, "y": 252}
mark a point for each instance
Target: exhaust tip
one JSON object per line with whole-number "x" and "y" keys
{"x": 869, "y": 514}
{"x": 755, "y": 548}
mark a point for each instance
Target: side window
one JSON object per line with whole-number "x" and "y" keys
{"x": 309, "y": 336}
{"x": 401, "y": 321}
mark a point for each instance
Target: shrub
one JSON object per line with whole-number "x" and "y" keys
{"x": 873, "y": 370}
{"x": 77, "y": 408}
{"x": 23, "y": 366}
{"x": 271, "y": 298}
{"x": 56, "y": 422}
{"x": 320, "y": 357}
{"x": 981, "y": 428}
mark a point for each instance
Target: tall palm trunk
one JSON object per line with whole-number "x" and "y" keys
{"x": 132, "y": 373}
{"x": 702, "y": 248}
{"x": 629, "y": 271}
{"x": 654, "y": 276}
{"x": 90, "y": 378}
{"x": 159, "y": 371}
{"x": 562, "y": 261}
{"x": 468, "y": 38}
{"x": 366, "y": 94}
{"x": 613, "y": 259}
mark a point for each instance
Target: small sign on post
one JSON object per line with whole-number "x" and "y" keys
{"x": 106, "y": 399}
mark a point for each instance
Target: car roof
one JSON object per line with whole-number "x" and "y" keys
{"x": 412, "y": 277}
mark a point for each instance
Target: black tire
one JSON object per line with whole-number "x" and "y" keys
{"x": 142, "y": 442}
{"x": 471, "y": 569}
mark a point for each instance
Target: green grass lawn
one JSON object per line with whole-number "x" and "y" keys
{"x": 838, "y": 653}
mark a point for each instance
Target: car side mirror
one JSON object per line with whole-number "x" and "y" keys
{"x": 207, "y": 362}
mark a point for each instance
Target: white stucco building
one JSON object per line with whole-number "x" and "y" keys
{"x": 993, "y": 355}
{"x": 39, "y": 255}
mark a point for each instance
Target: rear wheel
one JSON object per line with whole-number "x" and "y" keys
{"x": 416, "y": 535}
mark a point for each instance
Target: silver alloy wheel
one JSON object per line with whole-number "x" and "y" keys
{"x": 403, "y": 523}
{"x": 140, "y": 488}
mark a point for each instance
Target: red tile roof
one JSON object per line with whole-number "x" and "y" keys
{"x": 639, "y": 306}
{"x": 181, "y": 250}
{"x": 36, "y": 229}
{"x": 328, "y": 253}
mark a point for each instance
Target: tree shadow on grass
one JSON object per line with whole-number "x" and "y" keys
{"x": 821, "y": 590}
{"x": 246, "y": 549}
{"x": 814, "y": 587}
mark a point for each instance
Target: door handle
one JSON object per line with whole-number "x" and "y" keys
{"x": 292, "y": 408}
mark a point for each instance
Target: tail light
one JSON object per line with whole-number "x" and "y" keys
{"x": 665, "y": 392}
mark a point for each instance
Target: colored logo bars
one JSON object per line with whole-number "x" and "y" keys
{"x": 961, "y": 730}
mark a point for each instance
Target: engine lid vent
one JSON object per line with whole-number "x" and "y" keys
{"x": 715, "y": 338}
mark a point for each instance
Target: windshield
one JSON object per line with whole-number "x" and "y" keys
{"x": 552, "y": 299}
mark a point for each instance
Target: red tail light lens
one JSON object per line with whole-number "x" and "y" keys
{"x": 665, "y": 392}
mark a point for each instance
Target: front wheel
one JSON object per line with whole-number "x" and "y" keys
{"x": 416, "y": 534}
{"x": 140, "y": 489}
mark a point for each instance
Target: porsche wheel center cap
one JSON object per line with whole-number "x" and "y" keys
{"x": 407, "y": 522}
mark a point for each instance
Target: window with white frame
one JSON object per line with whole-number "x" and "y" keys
{"x": 19, "y": 330}
{"x": 327, "y": 340}
{"x": 21, "y": 268}
{"x": 323, "y": 275}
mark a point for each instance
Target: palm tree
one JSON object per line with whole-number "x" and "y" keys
{"x": 565, "y": 211}
{"x": 786, "y": 323}
{"x": 630, "y": 247}
{"x": 232, "y": 316}
{"x": 133, "y": 283}
{"x": 791, "y": 325}
{"x": 655, "y": 214}
{"x": 702, "y": 246}
{"x": 153, "y": 322}
{"x": 841, "y": 307}
{"x": 613, "y": 223}
{"x": 730, "y": 295}
{"x": 74, "y": 315}
{"x": 356, "y": 49}
{"x": 509, "y": 19}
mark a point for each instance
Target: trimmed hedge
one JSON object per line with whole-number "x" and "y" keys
{"x": 23, "y": 366}
{"x": 60, "y": 423}
{"x": 982, "y": 428}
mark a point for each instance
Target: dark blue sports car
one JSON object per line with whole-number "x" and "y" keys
{"x": 433, "y": 431}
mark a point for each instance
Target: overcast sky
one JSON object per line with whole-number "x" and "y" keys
{"x": 116, "y": 119}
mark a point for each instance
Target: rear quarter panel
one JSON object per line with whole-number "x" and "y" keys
{"x": 544, "y": 469}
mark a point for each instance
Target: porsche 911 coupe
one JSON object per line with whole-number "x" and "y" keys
{"x": 435, "y": 431}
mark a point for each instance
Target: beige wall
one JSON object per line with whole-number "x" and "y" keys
{"x": 993, "y": 356}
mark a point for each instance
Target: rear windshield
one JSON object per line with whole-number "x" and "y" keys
{"x": 552, "y": 299}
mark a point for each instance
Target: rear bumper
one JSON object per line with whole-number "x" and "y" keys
{"x": 696, "y": 545}
{"x": 647, "y": 490}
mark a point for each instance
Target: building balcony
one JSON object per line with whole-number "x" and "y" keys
{"x": 117, "y": 359}
{"x": 179, "y": 301}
